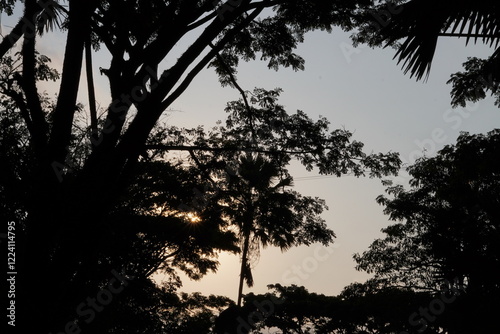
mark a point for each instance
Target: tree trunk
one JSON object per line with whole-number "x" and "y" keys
{"x": 244, "y": 259}
{"x": 90, "y": 87}
{"x": 78, "y": 30}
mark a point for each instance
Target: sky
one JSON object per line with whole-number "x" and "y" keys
{"x": 366, "y": 92}
{"x": 362, "y": 90}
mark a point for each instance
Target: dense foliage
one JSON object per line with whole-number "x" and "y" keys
{"x": 100, "y": 208}
{"x": 435, "y": 269}
{"x": 447, "y": 231}
{"x": 93, "y": 202}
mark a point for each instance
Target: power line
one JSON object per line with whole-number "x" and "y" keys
{"x": 313, "y": 177}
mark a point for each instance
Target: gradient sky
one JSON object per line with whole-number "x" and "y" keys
{"x": 362, "y": 90}
{"x": 366, "y": 92}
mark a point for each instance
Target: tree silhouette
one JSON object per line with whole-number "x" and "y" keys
{"x": 146, "y": 307}
{"x": 357, "y": 309}
{"x": 253, "y": 188}
{"x": 268, "y": 214}
{"x": 448, "y": 230}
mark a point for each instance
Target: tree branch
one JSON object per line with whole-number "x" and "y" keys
{"x": 78, "y": 28}
{"x": 242, "y": 92}
{"x": 220, "y": 149}
{"x": 151, "y": 109}
{"x": 211, "y": 54}
{"x": 28, "y": 83}
{"x": 15, "y": 34}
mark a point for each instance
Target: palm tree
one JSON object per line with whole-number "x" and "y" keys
{"x": 418, "y": 24}
{"x": 266, "y": 213}
{"x": 90, "y": 87}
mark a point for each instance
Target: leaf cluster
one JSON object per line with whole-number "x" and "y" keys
{"x": 296, "y": 310}
{"x": 447, "y": 222}
{"x": 414, "y": 27}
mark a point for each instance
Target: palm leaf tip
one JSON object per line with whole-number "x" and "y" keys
{"x": 247, "y": 275}
{"x": 51, "y": 17}
{"x": 419, "y": 28}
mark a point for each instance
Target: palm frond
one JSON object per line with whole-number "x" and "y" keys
{"x": 247, "y": 275}
{"x": 51, "y": 17}
{"x": 421, "y": 22}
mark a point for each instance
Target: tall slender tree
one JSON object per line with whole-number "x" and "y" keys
{"x": 269, "y": 214}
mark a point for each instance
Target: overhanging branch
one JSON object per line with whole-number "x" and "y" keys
{"x": 211, "y": 54}
{"x": 238, "y": 87}
{"x": 221, "y": 149}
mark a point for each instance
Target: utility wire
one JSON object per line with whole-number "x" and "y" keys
{"x": 313, "y": 177}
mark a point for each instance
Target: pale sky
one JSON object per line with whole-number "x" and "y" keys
{"x": 362, "y": 90}
{"x": 365, "y": 91}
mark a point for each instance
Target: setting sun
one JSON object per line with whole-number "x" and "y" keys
{"x": 192, "y": 218}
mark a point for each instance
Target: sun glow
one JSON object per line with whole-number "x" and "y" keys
{"x": 189, "y": 217}
{"x": 192, "y": 218}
